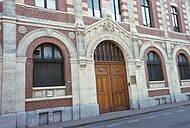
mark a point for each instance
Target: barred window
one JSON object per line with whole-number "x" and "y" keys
{"x": 94, "y": 8}
{"x": 145, "y": 7}
{"x": 51, "y": 4}
{"x": 48, "y": 66}
{"x": 183, "y": 65}
{"x": 154, "y": 66}
{"x": 175, "y": 23}
{"x": 116, "y": 11}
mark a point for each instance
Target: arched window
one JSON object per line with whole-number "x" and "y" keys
{"x": 116, "y": 11}
{"x": 94, "y": 8}
{"x": 183, "y": 67}
{"x": 154, "y": 66}
{"x": 175, "y": 23}
{"x": 48, "y": 66}
{"x": 145, "y": 7}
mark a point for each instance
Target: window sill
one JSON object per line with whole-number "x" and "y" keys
{"x": 48, "y": 88}
{"x": 49, "y": 98}
{"x": 156, "y": 82}
{"x": 153, "y": 89}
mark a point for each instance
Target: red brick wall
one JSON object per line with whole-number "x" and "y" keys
{"x": 158, "y": 92}
{"x": 90, "y": 20}
{"x": 185, "y": 90}
{"x": 30, "y": 2}
{"x": 35, "y": 105}
{"x": 45, "y": 14}
{"x": 149, "y": 31}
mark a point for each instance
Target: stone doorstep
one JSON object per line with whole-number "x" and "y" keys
{"x": 114, "y": 116}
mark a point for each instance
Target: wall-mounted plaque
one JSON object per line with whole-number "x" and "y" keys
{"x": 133, "y": 80}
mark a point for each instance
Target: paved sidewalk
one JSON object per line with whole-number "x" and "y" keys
{"x": 113, "y": 116}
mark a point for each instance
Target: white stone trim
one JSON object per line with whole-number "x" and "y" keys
{"x": 177, "y": 48}
{"x": 51, "y": 98}
{"x": 47, "y": 88}
{"x": 153, "y": 44}
{"x": 42, "y": 32}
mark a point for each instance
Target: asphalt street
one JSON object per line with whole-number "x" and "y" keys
{"x": 170, "y": 118}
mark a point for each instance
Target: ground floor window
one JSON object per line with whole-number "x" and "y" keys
{"x": 48, "y": 66}
{"x": 155, "y": 72}
{"x": 183, "y": 65}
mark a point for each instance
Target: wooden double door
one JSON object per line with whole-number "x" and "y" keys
{"x": 112, "y": 89}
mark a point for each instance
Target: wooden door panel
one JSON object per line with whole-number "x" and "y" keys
{"x": 112, "y": 92}
{"x": 119, "y": 87}
{"x": 103, "y": 89}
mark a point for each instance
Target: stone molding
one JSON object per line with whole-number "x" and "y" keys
{"x": 106, "y": 29}
{"x": 153, "y": 44}
{"x": 30, "y": 37}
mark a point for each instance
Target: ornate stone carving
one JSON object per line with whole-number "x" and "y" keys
{"x": 164, "y": 45}
{"x": 108, "y": 26}
{"x": 71, "y": 35}
{"x": 140, "y": 42}
{"x": 22, "y": 29}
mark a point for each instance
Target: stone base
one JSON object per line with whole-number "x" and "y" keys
{"x": 47, "y": 116}
{"x": 89, "y": 110}
{"x": 180, "y": 97}
{"x": 134, "y": 104}
{"x": 153, "y": 101}
{"x": 8, "y": 121}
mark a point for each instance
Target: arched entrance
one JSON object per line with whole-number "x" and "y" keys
{"x": 111, "y": 80}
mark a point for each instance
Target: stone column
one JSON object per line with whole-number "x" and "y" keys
{"x": 131, "y": 16}
{"x": 75, "y": 88}
{"x": 88, "y": 96}
{"x": 187, "y": 4}
{"x": 172, "y": 75}
{"x": 9, "y": 58}
{"x": 78, "y": 13}
{"x": 164, "y": 17}
{"x": 20, "y": 84}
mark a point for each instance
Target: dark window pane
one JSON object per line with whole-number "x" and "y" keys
{"x": 154, "y": 67}
{"x": 146, "y": 13}
{"x": 175, "y": 19}
{"x": 48, "y": 66}
{"x": 183, "y": 67}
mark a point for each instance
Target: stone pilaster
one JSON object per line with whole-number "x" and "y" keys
{"x": 164, "y": 17}
{"x": 172, "y": 74}
{"x": 20, "y": 84}
{"x": 75, "y": 88}
{"x": 78, "y": 13}
{"x": 9, "y": 8}
{"x": 131, "y": 16}
{"x": 9, "y": 58}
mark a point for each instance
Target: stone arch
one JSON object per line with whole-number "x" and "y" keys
{"x": 148, "y": 44}
{"x": 122, "y": 44}
{"x": 30, "y": 37}
{"x": 179, "y": 48}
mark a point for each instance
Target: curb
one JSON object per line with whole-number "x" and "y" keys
{"x": 130, "y": 115}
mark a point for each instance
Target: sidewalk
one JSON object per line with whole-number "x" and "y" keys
{"x": 114, "y": 116}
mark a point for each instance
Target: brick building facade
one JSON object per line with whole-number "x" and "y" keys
{"x": 64, "y": 60}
